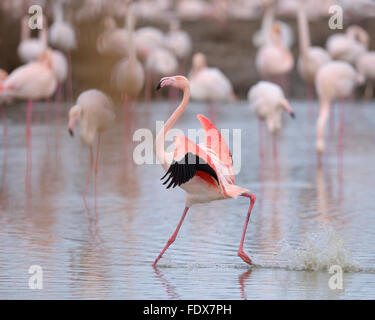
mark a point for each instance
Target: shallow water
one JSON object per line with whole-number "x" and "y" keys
{"x": 305, "y": 219}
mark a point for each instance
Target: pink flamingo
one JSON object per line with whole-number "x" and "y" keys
{"x": 209, "y": 84}
{"x": 334, "y": 80}
{"x": 30, "y": 49}
{"x": 204, "y": 171}
{"x": 274, "y": 60}
{"x": 128, "y": 74}
{"x": 62, "y": 36}
{"x": 33, "y": 81}
{"x": 95, "y": 112}
{"x": 267, "y": 100}
{"x": 311, "y": 57}
{"x": 349, "y": 45}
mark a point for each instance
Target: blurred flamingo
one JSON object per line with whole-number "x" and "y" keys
{"x": 209, "y": 85}
{"x": 310, "y": 58}
{"x": 204, "y": 171}
{"x": 349, "y": 45}
{"x": 160, "y": 63}
{"x": 62, "y": 36}
{"x": 94, "y": 111}
{"x": 30, "y": 49}
{"x": 334, "y": 80}
{"x": 179, "y": 42}
{"x": 128, "y": 74}
{"x": 267, "y": 100}
{"x": 33, "y": 81}
{"x": 273, "y": 60}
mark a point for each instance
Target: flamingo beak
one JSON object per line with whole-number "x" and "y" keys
{"x": 167, "y": 81}
{"x": 285, "y": 104}
{"x": 71, "y": 125}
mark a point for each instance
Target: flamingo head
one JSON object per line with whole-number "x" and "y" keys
{"x": 179, "y": 82}
{"x": 199, "y": 61}
{"x": 74, "y": 114}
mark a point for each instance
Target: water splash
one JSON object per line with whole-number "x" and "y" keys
{"x": 319, "y": 251}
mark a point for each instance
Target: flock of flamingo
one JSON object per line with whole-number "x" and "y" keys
{"x": 204, "y": 171}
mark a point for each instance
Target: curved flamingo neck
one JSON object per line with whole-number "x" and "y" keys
{"x": 303, "y": 30}
{"x": 160, "y": 138}
{"x": 130, "y": 30}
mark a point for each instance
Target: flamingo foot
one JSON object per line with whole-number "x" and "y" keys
{"x": 244, "y": 257}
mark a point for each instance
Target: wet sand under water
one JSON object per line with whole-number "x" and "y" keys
{"x": 305, "y": 219}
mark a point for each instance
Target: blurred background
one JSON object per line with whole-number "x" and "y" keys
{"x": 224, "y": 30}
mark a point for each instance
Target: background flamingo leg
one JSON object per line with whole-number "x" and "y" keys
{"x": 172, "y": 238}
{"x": 241, "y": 253}
{"x": 5, "y": 144}
{"x": 96, "y": 180}
{"x": 29, "y": 109}
{"x": 86, "y": 188}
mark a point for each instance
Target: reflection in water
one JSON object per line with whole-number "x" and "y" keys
{"x": 242, "y": 280}
{"x": 136, "y": 214}
{"x": 169, "y": 289}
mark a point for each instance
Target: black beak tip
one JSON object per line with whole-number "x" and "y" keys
{"x": 293, "y": 115}
{"x": 158, "y": 87}
{"x": 71, "y": 132}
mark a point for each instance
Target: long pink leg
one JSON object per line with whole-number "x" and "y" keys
{"x": 5, "y": 143}
{"x": 86, "y": 187}
{"x": 274, "y": 146}
{"x": 173, "y": 238}
{"x": 96, "y": 179}
{"x": 29, "y": 110}
{"x": 241, "y": 253}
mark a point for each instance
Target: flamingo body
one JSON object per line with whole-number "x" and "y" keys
{"x": 267, "y": 100}
{"x": 95, "y": 112}
{"x": 210, "y": 84}
{"x": 35, "y": 80}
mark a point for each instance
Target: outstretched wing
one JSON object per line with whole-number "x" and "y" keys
{"x": 184, "y": 170}
{"x": 215, "y": 143}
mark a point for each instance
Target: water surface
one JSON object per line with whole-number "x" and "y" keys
{"x": 305, "y": 218}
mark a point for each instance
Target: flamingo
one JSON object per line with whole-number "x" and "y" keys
{"x": 30, "y": 49}
{"x": 311, "y": 57}
{"x": 61, "y": 33}
{"x": 334, "y": 80}
{"x": 160, "y": 63}
{"x": 33, "y": 81}
{"x": 274, "y": 60}
{"x": 263, "y": 36}
{"x": 349, "y": 45}
{"x": 204, "y": 171}
{"x": 95, "y": 112}
{"x": 267, "y": 100}
{"x": 128, "y": 73}
{"x": 178, "y": 41}
{"x": 209, "y": 84}
{"x": 62, "y": 36}
{"x": 365, "y": 65}
{"x": 147, "y": 39}
{"x": 113, "y": 40}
